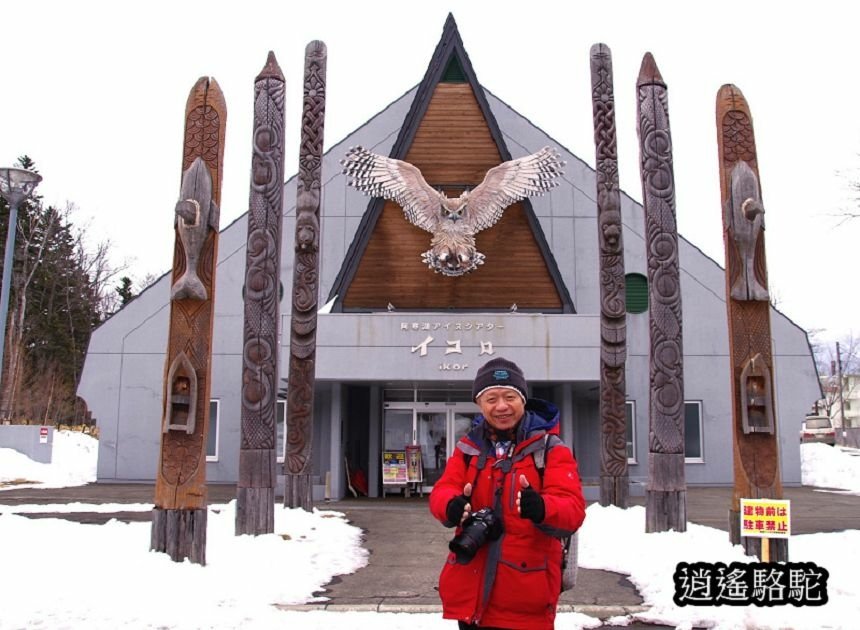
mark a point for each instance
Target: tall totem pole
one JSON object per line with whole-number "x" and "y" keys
{"x": 756, "y": 451}
{"x": 303, "y": 326}
{"x": 666, "y": 496}
{"x": 179, "y": 516}
{"x": 255, "y": 499}
{"x": 614, "y": 482}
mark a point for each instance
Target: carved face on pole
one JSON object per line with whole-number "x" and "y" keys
{"x": 453, "y": 222}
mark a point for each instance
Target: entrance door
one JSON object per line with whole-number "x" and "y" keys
{"x": 399, "y": 429}
{"x": 432, "y": 437}
{"x": 435, "y": 427}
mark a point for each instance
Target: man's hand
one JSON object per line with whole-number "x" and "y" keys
{"x": 459, "y": 508}
{"x": 530, "y": 502}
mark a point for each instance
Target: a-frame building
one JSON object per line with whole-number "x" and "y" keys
{"x": 398, "y": 346}
{"x": 451, "y": 135}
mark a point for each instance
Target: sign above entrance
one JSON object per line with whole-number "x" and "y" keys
{"x": 451, "y": 326}
{"x": 451, "y": 346}
{"x": 452, "y": 222}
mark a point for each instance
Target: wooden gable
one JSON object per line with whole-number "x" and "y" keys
{"x": 451, "y": 136}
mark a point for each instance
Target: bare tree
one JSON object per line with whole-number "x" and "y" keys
{"x": 827, "y": 362}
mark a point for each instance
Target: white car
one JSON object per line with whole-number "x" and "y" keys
{"x": 817, "y": 429}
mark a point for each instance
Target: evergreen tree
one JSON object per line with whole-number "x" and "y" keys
{"x": 124, "y": 291}
{"x": 58, "y": 296}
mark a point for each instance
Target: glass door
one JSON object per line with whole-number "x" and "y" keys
{"x": 461, "y": 422}
{"x": 399, "y": 429}
{"x": 435, "y": 427}
{"x": 432, "y": 432}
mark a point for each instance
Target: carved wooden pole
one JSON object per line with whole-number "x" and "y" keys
{"x": 666, "y": 502}
{"x": 303, "y": 327}
{"x": 179, "y": 516}
{"x": 756, "y": 452}
{"x": 614, "y": 482}
{"x": 255, "y": 498}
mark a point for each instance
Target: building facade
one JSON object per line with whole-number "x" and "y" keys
{"x": 398, "y": 346}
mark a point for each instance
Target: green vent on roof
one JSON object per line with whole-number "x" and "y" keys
{"x": 637, "y": 292}
{"x": 454, "y": 72}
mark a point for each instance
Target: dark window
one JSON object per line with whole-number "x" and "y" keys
{"x": 544, "y": 392}
{"x": 693, "y": 430}
{"x": 454, "y": 72}
{"x": 212, "y": 434}
{"x": 630, "y": 416}
{"x": 281, "y": 429}
{"x": 637, "y": 292}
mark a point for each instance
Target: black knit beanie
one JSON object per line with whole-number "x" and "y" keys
{"x": 500, "y": 373}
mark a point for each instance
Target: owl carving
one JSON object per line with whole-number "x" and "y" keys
{"x": 453, "y": 221}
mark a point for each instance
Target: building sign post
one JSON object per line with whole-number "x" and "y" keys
{"x": 765, "y": 519}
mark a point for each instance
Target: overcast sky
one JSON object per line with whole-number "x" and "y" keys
{"x": 95, "y": 93}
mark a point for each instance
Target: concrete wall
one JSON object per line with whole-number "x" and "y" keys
{"x": 25, "y": 440}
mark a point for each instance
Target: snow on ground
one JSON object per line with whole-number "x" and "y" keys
{"x": 61, "y": 574}
{"x": 73, "y": 463}
{"x": 825, "y": 466}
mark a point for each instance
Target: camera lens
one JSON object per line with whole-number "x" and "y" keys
{"x": 474, "y": 534}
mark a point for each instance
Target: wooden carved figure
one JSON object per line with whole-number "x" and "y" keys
{"x": 614, "y": 481}
{"x": 754, "y": 437}
{"x": 453, "y": 222}
{"x": 179, "y": 516}
{"x": 666, "y": 506}
{"x": 196, "y": 214}
{"x": 255, "y": 495}
{"x": 179, "y": 410}
{"x": 745, "y": 215}
{"x": 756, "y": 397}
{"x": 303, "y": 325}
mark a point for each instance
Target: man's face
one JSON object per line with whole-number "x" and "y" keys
{"x": 502, "y": 407}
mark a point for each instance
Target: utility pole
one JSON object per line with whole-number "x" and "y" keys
{"x": 841, "y": 388}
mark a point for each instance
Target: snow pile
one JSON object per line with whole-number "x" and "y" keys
{"x": 70, "y": 575}
{"x": 73, "y": 463}
{"x": 613, "y": 539}
{"x": 830, "y": 467}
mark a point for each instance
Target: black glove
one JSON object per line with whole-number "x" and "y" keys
{"x": 455, "y": 509}
{"x": 531, "y": 505}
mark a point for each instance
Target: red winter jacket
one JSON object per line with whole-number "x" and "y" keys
{"x": 513, "y": 582}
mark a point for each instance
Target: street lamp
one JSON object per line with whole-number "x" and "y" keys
{"x": 16, "y": 184}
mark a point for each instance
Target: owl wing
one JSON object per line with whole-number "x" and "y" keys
{"x": 509, "y": 182}
{"x": 379, "y": 176}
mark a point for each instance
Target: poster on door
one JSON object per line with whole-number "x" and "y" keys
{"x": 414, "y": 468}
{"x": 394, "y": 467}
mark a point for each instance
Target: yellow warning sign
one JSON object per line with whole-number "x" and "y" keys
{"x": 765, "y": 518}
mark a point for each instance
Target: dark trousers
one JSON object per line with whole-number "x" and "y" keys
{"x": 466, "y": 626}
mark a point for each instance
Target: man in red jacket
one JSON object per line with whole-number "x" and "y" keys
{"x": 504, "y": 570}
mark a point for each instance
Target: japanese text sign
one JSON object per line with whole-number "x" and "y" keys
{"x": 765, "y": 518}
{"x": 394, "y": 467}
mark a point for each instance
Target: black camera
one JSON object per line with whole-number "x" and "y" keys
{"x": 479, "y": 528}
